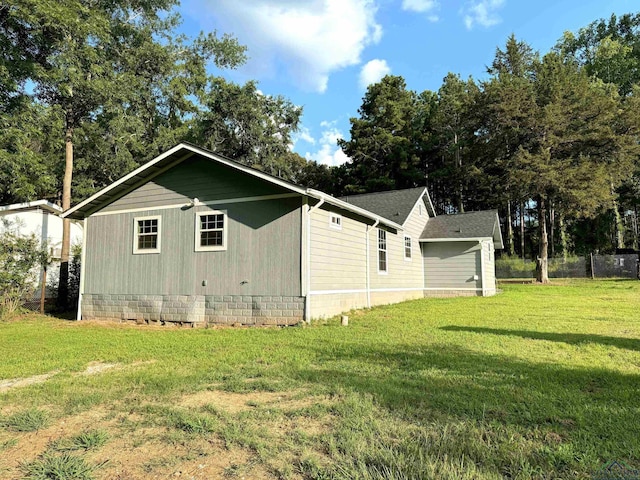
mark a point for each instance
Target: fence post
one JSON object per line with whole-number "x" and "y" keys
{"x": 43, "y": 288}
{"x": 593, "y": 273}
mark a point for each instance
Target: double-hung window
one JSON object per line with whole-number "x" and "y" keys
{"x": 211, "y": 231}
{"x": 407, "y": 248}
{"x": 146, "y": 234}
{"x": 382, "y": 251}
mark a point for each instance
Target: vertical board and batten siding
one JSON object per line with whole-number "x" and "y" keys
{"x": 452, "y": 265}
{"x": 262, "y": 257}
{"x": 263, "y": 237}
{"x": 196, "y": 177}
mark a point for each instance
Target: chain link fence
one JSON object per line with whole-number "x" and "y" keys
{"x": 602, "y": 266}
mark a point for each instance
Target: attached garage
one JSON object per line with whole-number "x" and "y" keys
{"x": 459, "y": 254}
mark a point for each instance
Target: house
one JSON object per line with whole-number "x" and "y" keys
{"x": 42, "y": 219}
{"x": 192, "y": 236}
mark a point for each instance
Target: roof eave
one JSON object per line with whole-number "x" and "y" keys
{"x": 42, "y": 204}
{"x": 317, "y": 194}
{"x": 78, "y": 213}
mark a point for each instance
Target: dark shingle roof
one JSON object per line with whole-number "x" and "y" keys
{"x": 394, "y": 205}
{"x": 464, "y": 225}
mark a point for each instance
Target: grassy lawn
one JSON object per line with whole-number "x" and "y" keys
{"x": 538, "y": 382}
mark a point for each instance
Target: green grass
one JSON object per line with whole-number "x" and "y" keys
{"x": 538, "y": 382}
{"x": 29, "y": 420}
{"x": 87, "y": 440}
{"x": 58, "y": 467}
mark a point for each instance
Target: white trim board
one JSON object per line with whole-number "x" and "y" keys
{"x": 364, "y": 290}
{"x": 199, "y": 203}
{"x": 469, "y": 239}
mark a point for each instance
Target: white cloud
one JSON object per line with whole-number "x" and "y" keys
{"x": 310, "y": 39}
{"x": 422, "y": 6}
{"x": 303, "y": 134}
{"x": 373, "y": 72}
{"x": 328, "y": 152}
{"x": 482, "y": 13}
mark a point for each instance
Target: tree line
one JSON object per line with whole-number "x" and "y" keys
{"x": 550, "y": 140}
{"x": 89, "y": 90}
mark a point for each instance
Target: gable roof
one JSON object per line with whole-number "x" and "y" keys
{"x": 395, "y": 205}
{"x": 464, "y": 227}
{"x": 35, "y": 205}
{"x": 182, "y": 152}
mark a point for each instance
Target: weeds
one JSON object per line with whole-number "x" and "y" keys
{"x": 59, "y": 467}
{"x": 87, "y": 440}
{"x": 29, "y": 420}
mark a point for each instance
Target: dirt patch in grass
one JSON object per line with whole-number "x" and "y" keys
{"x": 24, "y": 382}
{"x": 30, "y": 445}
{"x": 232, "y": 402}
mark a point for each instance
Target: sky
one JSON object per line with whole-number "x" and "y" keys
{"x": 322, "y": 54}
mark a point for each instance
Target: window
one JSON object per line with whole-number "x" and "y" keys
{"x": 382, "y": 251}
{"x": 407, "y": 248}
{"x": 211, "y": 232}
{"x": 420, "y": 209}
{"x": 146, "y": 235}
{"x": 335, "y": 221}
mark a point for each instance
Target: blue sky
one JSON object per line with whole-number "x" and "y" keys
{"x": 321, "y": 54}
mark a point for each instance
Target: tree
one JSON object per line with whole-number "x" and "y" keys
{"x": 246, "y": 125}
{"x": 383, "y": 146}
{"x": 454, "y": 133}
{"x": 85, "y": 57}
{"x": 503, "y": 105}
{"x": 573, "y": 146}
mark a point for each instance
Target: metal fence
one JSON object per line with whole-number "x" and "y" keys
{"x": 602, "y": 266}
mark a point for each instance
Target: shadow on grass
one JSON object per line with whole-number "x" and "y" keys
{"x": 595, "y": 408}
{"x": 569, "y": 338}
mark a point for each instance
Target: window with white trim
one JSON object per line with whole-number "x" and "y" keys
{"x": 335, "y": 221}
{"x": 146, "y": 234}
{"x": 382, "y": 251}
{"x": 211, "y": 231}
{"x": 407, "y": 248}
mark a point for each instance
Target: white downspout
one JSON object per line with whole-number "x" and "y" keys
{"x": 307, "y": 302}
{"x": 368, "y": 268}
{"x": 83, "y": 257}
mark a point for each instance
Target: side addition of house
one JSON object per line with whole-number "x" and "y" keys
{"x": 193, "y": 236}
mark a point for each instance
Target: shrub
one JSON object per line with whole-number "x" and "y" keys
{"x": 20, "y": 255}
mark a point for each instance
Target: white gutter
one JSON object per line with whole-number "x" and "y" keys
{"x": 352, "y": 208}
{"x": 307, "y": 302}
{"x": 368, "y": 230}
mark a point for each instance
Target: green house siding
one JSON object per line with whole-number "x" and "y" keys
{"x": 256, "y": 279}
{"x": 195, "y": 177}
{"x": 262, "y": 257}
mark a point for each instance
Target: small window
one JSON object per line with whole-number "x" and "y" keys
{"x": 407, "y": 248}
{"x": 420, "y": 209}
{"x": 146, "y": 235}
{"x": 382, "y": 251}
{"x": 211, "y": 231}
{"x": 335, "y": 221}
